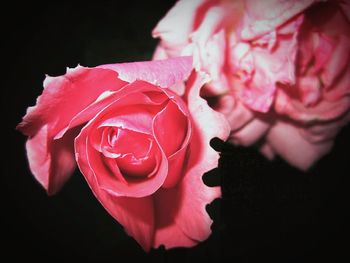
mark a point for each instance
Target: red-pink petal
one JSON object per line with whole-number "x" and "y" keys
{"x": 51, "y": 162}
{"x": 59, "y": 102}
{"x": 135, "y": 214}
{"x": 62, "y": 98}
{"x": 170, "y": 127}
{"x": 167, "y": 203}
{"x": 62, "y": 161}
{"x": 39, "y": 157}
{"x": 138, "y": 89}
{"x": 106, "y": 179}
{"x": 180, "y": 130}
{"x": 191, "y": 195}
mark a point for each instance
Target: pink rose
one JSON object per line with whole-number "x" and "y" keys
{"x": 141, "y": 149}
{"x": 258, "y": 55}
{"x": 317, "y": 106}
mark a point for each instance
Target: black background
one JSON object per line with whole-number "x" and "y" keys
{"x": 269, "y": 210}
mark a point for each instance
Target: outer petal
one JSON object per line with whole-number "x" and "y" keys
{"x": 251, "y": 132}
{"x": 190, "y": 222}
{"x": 235, "y": 112}
{"x": 285, "y": 140}
{"x": 51, "y": 161}
{"x": 323, "y": 111}
{"x": 167, "y": 203}
{"x": 325, "y": 131}
{"x": 62, "y": 98}
{"x": 174, "y": 29}
{"x": 38, "y": 157}
{"x": 62, "y": 161}
{"x": 135, "y": 214}
{"x": 264, "y": 16}
{"x": 164, "y": 73}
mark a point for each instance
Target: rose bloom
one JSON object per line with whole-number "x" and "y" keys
{"x": 279, "y": 69}
{"x": 141, "y": 149}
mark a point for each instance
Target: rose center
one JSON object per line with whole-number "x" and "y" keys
{"x": 135, "y": 152}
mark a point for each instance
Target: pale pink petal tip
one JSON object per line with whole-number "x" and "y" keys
{"x": 164, "y": 73}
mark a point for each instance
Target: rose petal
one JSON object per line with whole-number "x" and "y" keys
{"x": 323, "y": 111}
{"x": 54, "y": 109}
{"x": 164, "y": 73}
{"x": 167, "y": 202}
{"x": 176, "y": 167}
{"x": 286, "y": 140}
{"x": 270, "y": 67}
{"x": 176, "y": 26}
{"x": 264, "y": 16}
{"x": 338, "y": 62}
{"x": 136, "y": 215}
{"x": 39, "y": 156}
{"x": 103, "y": 176}
{"x": 51, "y": 162}
{"x": 267, "y": 151}
{"x": 324, "y": 131}
{"x": 62, "y": 161}
{"x": 235, "y": 112}
{"x": 58, "y": 103}
{"x": 170, "y": 123}
{"x": 191, "y": 195}
{"x": 138, "y": 89}
{"x": 160, "y": 53}
{"x": 134, "y": 117}
{"x": 251, "y": 132}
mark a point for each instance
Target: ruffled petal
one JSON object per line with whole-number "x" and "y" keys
{"x": 62, "y": 98}
{"x": 270, "y": 67}
{"x": 52, "y": 161}
{"x": 191, "y": 195}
